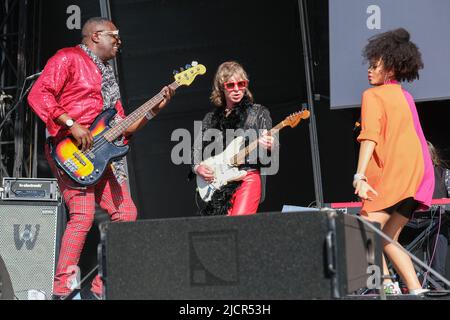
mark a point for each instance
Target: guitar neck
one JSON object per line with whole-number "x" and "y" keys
{"x": 137, "y": 114}
{"x": 239, "y": 158}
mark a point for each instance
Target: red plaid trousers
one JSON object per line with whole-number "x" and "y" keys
{"x": 113, "y": 197}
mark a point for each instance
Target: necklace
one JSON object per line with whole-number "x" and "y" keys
{"x": 228, "y": 111}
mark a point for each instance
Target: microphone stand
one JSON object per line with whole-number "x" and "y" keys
{"x": 21, "y": 96}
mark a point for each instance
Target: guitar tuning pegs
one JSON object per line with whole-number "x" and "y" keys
{"x": 194, "y": 63}
{"x": 181, "y": 69}
{"x": 175, "y": 72}
{"x": 188, "y": 66}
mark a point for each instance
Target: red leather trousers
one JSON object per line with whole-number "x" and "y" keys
{"x": 246, "y": 198}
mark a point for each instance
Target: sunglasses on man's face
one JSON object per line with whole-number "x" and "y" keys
{"x": 114, "y": 34}
{"x": 231, "y": 85}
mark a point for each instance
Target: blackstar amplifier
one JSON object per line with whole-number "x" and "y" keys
{"x": 36, "y": 189}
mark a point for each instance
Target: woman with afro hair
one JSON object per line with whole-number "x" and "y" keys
{"x": 395, "y": 174}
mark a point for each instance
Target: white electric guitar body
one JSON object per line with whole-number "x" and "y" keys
{"x": 223, "y": 168}
{"x": 225, "y": 165}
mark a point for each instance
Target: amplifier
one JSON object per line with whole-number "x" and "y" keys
{"x": 30, "y": 235}
{"x": 36, "y": 189}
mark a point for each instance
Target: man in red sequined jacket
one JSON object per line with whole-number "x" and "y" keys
{"x": 76, "y": 85}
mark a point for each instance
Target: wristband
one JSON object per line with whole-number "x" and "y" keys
{"x": 357, "y": 177}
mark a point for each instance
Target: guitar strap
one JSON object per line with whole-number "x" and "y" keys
{"x": 252, "y": 116}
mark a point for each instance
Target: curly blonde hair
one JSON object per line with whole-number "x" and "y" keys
{"x": 225, "y": 71}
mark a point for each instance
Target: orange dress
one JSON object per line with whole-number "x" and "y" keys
{"x": 400, "y": 166}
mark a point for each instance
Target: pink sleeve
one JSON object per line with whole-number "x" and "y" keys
{"x": 120, "y": 110}
{"x": 42, "y": 97}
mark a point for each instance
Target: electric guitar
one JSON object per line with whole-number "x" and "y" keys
{"x": 225, "y": 165}
{"x": 86, "y": 168}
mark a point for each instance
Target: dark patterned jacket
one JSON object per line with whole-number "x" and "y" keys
{"x": 245, "y": 116}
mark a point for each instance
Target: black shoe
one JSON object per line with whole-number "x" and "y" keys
{"x": 89, "y": 295}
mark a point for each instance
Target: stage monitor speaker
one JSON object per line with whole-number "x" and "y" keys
{"x": 295, "y": 255}
{"x": 30, "y": 233}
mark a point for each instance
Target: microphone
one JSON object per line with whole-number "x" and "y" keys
{"x": 33, "y": 76}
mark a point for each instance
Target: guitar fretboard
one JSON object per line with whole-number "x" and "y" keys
{"x": 137, "y": 114}
{"x": 239, "y": 158}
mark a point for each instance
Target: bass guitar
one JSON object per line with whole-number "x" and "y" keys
{"x": 86, "y": 168}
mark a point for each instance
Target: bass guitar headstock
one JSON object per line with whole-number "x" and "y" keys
{"x": 187, "y": 74}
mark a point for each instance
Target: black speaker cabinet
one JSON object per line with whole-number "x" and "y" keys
{"x": 30, "y": 233}
{"x": 295, "y": 255}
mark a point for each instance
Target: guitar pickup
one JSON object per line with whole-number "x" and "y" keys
{"x": 77, "y": 156}
{"x": 71, "y": 165}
